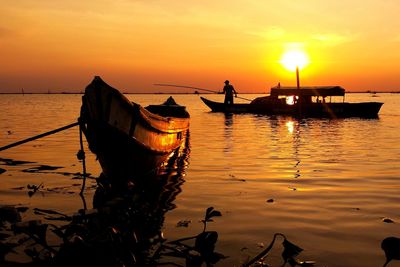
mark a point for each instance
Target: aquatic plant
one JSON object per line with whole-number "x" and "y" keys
{"x": 105, "y": 236}
{"x": 289, "y": 254}
{"x": 391, "y": 247}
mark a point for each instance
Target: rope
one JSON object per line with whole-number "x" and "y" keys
{"x": 81, "y": 156}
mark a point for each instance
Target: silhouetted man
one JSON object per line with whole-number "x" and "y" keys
{"x": 229, "y": 91}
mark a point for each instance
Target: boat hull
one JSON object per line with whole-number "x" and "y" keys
{"x": 330, "y": 110}
{"x": 122, "y": 157}
{"x": 230, "y": 108}
{"x": 129, "y": 141}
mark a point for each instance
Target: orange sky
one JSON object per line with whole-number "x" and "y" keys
{"x": 60, "y": 45}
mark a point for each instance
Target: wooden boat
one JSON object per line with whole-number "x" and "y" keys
{"x": 130, "y": 141}
{"x": 304, "y": 102}
{"x": 221, "y": 107}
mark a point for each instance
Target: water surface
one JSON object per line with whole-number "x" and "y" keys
{"x": 332, "y": 182}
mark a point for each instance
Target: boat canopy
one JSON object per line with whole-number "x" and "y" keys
{"x": 308, "y": 91}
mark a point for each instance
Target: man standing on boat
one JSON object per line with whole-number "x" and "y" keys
{"x": 229, "y": 91}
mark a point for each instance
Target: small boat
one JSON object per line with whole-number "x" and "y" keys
{"x": 304, "y": 102}
{"x": 222, "y": 107}
{"x": 130, "y": 141}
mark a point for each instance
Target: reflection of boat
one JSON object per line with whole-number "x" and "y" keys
{"x": 124, "y": 228}
{"x": 136, "y": 214}
{"x": 129, "y": 140}
{"x": 307, "y": 101}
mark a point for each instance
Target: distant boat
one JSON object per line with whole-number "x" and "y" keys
{"x": 305, "y": 101}
{"x": 131, "y": 141}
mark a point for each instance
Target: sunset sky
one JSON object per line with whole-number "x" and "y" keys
{"x": 132, "y": 44}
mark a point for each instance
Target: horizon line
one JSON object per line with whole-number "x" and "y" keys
{"x": 174, "y": 93}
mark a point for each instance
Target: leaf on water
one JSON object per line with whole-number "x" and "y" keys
{"x": 58, "y": 232}
{"x": 210, "y": 212}
{"x": 33, "y": 228}
{"x": 18, "y": 188}
{"x": 30, "y": 186}
{"x": 34, "y": 189}
{"x": 183, "y": 223}
{"x": 22, "y": 209}
{"x": 11, "y": 162}
{"x": 42, "y": 168}
{"x": 391, "y": 247}
{"x": 9, "y": 214}
{"x": 48, "y": 211}
{"x": 60, "y": 218}
{"x": 387, "y": 220}
{"x": 235, "y": 178}
{"x": 290, "y": 250}
{"x": 205, "y": 242}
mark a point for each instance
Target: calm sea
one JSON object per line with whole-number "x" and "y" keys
{"x": 330, "y": 186}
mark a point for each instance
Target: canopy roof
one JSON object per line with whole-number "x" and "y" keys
{"x": 308, "y": 91}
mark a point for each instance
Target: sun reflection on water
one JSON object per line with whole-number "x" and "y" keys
{"x": 290, "y": 126}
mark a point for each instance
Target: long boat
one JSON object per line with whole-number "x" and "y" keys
{"x": 131, "y": 141}
{"x": 304, "y": 102}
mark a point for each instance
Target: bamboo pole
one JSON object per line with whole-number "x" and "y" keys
{"x": 39, "y": 136}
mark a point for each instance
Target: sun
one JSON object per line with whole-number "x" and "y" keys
{"x": 294, "y": 58}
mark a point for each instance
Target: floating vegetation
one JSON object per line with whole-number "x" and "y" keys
{"x": 44, "y": 169}
{"x": 210, "y": 213}
{"x": 11, "y": 162}
{"x": 52, "y": 215}
{"x": 41, "y": 168}
{"x": 391, "y": 247}
{"x": 387, "y": 220}
{"x": 107, "y": 236}
{"x": 233, "y": 177}
{"x": 289, "y": 254}
{"x": 18, "y": 188}
{"x": 183, "y": 223}
{"x": 9, "y": 214}
{"x": 123, "y": 229}
{"x": 33, "y": 189}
